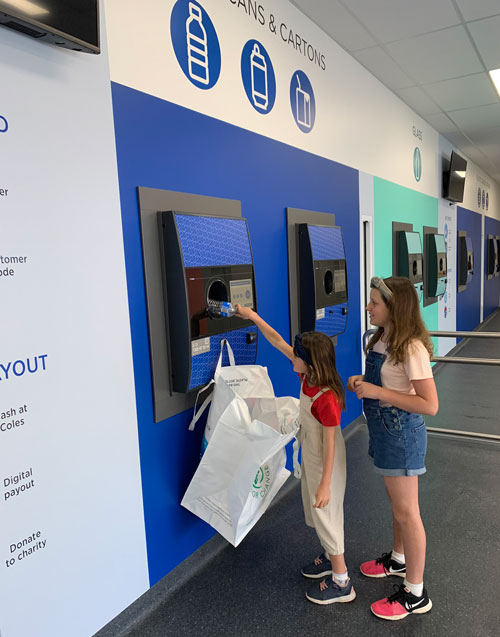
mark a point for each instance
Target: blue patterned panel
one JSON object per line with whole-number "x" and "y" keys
{"x": 209, "y": 241}
{"x": 326, "y": 243}
{"x": 334, "y": 322}
{"x": 203, "y": 365}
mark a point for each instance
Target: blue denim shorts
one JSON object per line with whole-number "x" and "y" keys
{"x": 398, "y": 441}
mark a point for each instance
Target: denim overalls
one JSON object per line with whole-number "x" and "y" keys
{"x": 398, "y": 438}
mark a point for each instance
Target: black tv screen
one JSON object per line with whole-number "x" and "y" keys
{"x": 73, "y": 24}
{"x": 454, "y": 178}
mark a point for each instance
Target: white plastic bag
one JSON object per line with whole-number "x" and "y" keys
{"x": 243, "y": 467}
{"x": 242, "y": 380}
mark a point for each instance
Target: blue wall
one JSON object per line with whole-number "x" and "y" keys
{"x": 469, "y": 301}
{"x": 491, "y": 287}
{"x": 161, "y": 145}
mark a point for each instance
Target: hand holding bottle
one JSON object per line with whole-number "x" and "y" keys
{"x": 244, "y": 312}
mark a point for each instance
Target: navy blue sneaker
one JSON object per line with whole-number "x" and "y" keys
{"x": 329, "y": 592}
{"x": 320, "y": 567}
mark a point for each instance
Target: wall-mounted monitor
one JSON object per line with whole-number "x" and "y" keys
{"x": 72, "y": 24}
{"x": 454, "y": 178}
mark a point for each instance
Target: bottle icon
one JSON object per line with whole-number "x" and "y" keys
{"x": 197, "y": 46}
{"x": 258, "y": 73}
{"x": 303, "y": 101}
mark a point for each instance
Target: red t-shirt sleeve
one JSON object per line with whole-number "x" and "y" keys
{"x": 326, "y": 410}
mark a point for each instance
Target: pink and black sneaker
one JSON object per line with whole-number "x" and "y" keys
{"x": 383, "y": 567}
{"x": 401, "y": 604}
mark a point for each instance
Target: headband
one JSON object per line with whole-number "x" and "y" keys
{"x": 381, "y": 286}
{"x": 300, "y": 351}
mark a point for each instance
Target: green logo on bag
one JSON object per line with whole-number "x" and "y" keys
{"x": 262, "y": 482}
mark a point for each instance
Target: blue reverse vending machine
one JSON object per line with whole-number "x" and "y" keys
{"x": 465, "y": 260}
{"x": 322, "y": 279}
{"x": 206, "y": 260}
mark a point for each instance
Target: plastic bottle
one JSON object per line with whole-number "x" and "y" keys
{"x": 197, "y": 47}
{"x": 221, "y": 308}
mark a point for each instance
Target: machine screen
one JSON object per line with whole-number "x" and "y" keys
{"x": 241, "y": 292}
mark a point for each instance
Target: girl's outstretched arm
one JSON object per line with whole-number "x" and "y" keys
{"x": 268, "y": 332}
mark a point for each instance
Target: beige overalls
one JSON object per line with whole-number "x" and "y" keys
{"x": 328, "y": 521}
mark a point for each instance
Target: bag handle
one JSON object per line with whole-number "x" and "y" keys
{"x": 229, "y": 353}
{"x": 297, "y": 471}
{"x": 208, "y": 399}
{"x": 206, "y": 402}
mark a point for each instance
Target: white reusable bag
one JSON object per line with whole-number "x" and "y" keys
{"x": 243, "y": 380}
{"x": 243, "y": 467}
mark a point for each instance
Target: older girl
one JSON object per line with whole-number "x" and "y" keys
{"x": 397, "y": 388}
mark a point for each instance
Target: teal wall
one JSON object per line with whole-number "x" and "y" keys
{"x": 396, "y": 203}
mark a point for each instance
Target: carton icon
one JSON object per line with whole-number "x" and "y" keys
{"x": 303, "y": 102}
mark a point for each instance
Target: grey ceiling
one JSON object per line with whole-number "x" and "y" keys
{"x": 435, "y": 55}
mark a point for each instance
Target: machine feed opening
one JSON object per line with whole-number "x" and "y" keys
{"x": 328, "y": 282}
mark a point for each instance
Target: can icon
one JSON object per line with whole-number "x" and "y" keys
{"x": 258, "y": 73}
{"x": 197, "y": 46}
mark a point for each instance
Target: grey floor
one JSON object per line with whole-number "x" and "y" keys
{"x": 257, "y": 589}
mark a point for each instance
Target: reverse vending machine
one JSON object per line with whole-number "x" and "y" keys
{"x": 492, "y": 264}
{"x": 436, "y": 265}
{"x": 465, "y": 260}
{"x": 322, "y": 279}
{"x": 409, "y": 258}
{"x": 207, "y": 264}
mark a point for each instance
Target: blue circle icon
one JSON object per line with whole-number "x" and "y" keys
{"x": 417, "y": 163}
{"x": 258, "y": 78}
{"x": 483, "y": 198}
{"x": 4, "y": 124}
{"x": 195, "y": 43}
{"x": 487, "y": 201}
{"x": 479, "y": 197}
{"x": 302, "y": 101}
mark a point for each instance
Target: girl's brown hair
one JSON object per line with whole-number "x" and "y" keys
{"x": 323, "y": 372}
{"x": 406, "y": 321}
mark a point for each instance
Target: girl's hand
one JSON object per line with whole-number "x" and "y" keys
{"x": 366, "y": 390}
{"x": 244, "y": 312}
{"x": 322, "y": 496}
{"x": 351, "y": 383}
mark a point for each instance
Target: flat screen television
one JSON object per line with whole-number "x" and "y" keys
{"x": 454, "y": 178}
{"x": 72, "y": 24}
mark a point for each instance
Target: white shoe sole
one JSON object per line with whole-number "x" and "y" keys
{"x": 340, "y": 600}
{"x": 402, "y": 574}
{"x": 417, "y": 611}
{"x": 323, "y": 574}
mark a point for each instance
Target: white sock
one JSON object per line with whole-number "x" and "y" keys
{"x": 340, "y": 578}
{"x": 415, "y": 589}
{"x": 398, "y": 557}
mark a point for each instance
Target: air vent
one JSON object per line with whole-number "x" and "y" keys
{"x": 23, "y": 29}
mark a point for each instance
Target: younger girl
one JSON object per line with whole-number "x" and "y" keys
{"x": 396, "y": 389}
{"x": 323, "y": 455}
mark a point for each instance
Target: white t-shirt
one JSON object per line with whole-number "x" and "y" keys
{"x": 398, "y": 377}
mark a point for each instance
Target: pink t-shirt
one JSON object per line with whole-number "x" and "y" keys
{"x": 398, "y": 377}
